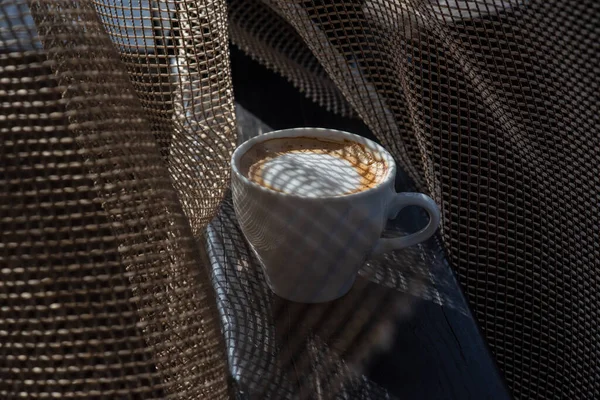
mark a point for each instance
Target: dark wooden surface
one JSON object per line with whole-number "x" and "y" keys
{"x": 405, "y": 327}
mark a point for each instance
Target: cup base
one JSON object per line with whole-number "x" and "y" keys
{"x": 325, "y": 296}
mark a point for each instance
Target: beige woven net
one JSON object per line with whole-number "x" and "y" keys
{"x": 103, "y": 293}
{"x": 117, "y": 124}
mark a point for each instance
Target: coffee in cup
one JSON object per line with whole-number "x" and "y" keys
{"x": 313, "y": 167}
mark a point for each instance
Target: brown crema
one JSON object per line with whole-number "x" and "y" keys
{"x": 371, "y": 167}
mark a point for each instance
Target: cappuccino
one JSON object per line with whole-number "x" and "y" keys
{"x": 312, "y": 167}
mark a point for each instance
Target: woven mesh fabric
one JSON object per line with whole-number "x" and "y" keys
{"x": 261, "y": 33}
{"x": 102, "y": 290}
{"x": 492, "y": 107}
{"x": 116, "y": 128}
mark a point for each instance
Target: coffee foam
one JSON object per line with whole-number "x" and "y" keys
{"x": 312, "y": 167}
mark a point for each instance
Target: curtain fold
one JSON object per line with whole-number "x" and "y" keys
{"x": 116, "y": 129}
{"x": 492, "y": 107}
{"x": 105, "y": 292}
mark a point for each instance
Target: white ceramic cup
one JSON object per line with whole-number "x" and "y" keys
{"x": 311, "y": 248}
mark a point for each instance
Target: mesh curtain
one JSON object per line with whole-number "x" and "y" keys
{"x": 116, "y": 128}
{"x": 113, "y": 159}
{"x": 492, "y": 107}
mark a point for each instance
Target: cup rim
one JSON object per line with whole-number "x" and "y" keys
{"x": 316, "y": 133}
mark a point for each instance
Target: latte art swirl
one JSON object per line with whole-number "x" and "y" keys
{"x": 312, "y": 167}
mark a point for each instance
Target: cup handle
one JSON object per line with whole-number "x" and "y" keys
{"x": 399, "y": 201}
